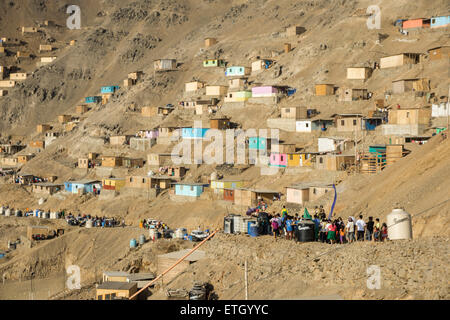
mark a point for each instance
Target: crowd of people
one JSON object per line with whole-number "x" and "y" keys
{"x": 103, "y": 222}
{"x": 325, "y": 230}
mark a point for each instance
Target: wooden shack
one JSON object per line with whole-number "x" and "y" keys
{"x": 324, "y": 89}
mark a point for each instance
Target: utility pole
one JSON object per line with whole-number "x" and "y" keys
{"x": 448, "y": 107}
{"x": 246, "y": 280}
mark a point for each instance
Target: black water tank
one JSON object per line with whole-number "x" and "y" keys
{"x": 304, "y": 231}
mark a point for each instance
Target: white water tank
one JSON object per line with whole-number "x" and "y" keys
{"x": 2, "y": 210}
{"x": 214, "y": 176}
{"x": 8, "y": 212}
{"x": 89, "y": 223}
{"x": 399, "y": 225}
{"x": 179, "y": 233}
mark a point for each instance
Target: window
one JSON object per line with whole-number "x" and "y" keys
{"x": 281, "y": 158}
{"x": 291, "y": 157}
{"x": 192, "y": 188}
{"x": 407, "y": 114}
{"x": 131, "y": 179}
{"x": 107, "y": 297}
{"x": 113, "y": 295}
{"x": 320, "y": 160}
{"x": 354, "y": 122}
{"x": 287, "y": 110}
{"x": 99, "y": 297}
{"x": 342, "y": 122}
{"x": 143, "y": 180}
{"x": 314, "y": 191}
{"x": 307, "y": 125}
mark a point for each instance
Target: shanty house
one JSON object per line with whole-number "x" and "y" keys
{"x": 249, "y": 197}
{"x": 439, "y": 22}
{"x": 399, "y": 60}
{"x": 407, "y": 85}
{"x": 216, "y": 90}
{"x": 111, "y": 290}
{"x": 64, "y": 118}
{"x": 299, "y": 159}
{"x": 17, "y": 76}
{"x": 278, "y": 160}
{"x": 214, "y": 63}
{"x": 259, "y": 65}
{"x": 294, "y": 113}
{"x": 348, "y": 122}
{"x": 189, "y": 189}
{"x": 238, "y": 96}
{"x": 109, "y": 89}
{"x": 210, "y": 42}
{"x": 265, "y": 91}
{"x": 416, "y": 23}
{"x": 294, "y": 31}
{"x": 176, "y": 172}
{"x": 119, "y": 140}
{"x": 160, "y": 159}
{"x": 81, "y": 109}
{"x": 193, "y": 86}
{"x": 237, "y": 83}
{"x": 308, "y": 125}
{"x": 220, "y": 123}
{"x": 330, "y": 144}
{"x": 47, "y": 188}
{"x": 7, "y": 84}
{"x": 193, "y": 133}
{"x": 347, "y": 94}
{"x": 133, "y": 163}
{"x": 142, "y": 144}
{"x": 359, "y": 73}
{"x": 24, "y": 158}
{"x": 112, "y": 161}
{"x": 82, "y": 186}
{"x": 94, "y": 99}
{"x": 438, "y": 53}
{"x": 409, "y": 116}
{"x": 42, "y": 128}
{"x": 334, "y": 162}
{"x": 113, "y": 184}
{"x": 297, "y": 194}
{"x": 324, "y": 89}
{"x": 259, "y": 143}
{"x": 237, "y": 71}
{"x": 440, "y": 110}
{"x": 165, "y": 64}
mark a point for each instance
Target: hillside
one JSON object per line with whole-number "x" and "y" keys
{"x": 121, "y": 37}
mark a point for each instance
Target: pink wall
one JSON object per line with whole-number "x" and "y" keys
{"x": 278, "y": 159}
{"x": 268, "y": 89}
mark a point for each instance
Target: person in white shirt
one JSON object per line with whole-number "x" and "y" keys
{"x": 360, "y": 225}
{"x": 350, "y": 230}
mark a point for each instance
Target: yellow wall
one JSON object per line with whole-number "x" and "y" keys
{"x": 293, "y": 160}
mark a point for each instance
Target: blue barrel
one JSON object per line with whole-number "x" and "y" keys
{"x": 253, "y": 229}
{"x": 133, "y": 243}
{"x": 142, "y": 239}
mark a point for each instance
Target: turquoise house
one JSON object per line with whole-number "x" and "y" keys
{"x": 437, "y": 22}
{"x": 189, "y": 189}
{"x": 193, "y": 133}
{"x": 110, "y": 89}
{"x": 237, "y": 71}
{"x": 258, "y": 143}
{"x": 86, "y": 185}
{"x": 95, "y": 99}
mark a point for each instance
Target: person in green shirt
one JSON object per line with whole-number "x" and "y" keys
{"x": 284, "y": 212}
